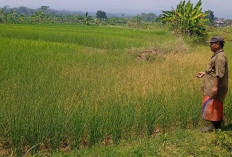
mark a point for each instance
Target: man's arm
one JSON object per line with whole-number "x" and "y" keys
{"x": 215, "y": 87}
{"x": 220, "y": 66}
{"x": 200, "y": 74}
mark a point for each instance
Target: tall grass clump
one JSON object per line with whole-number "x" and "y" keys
{"x": 66, "y": 87}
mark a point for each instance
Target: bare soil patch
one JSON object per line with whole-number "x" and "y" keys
{"x": 150, "y": 55}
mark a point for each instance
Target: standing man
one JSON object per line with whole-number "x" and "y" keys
{"x": 214, "y": 85}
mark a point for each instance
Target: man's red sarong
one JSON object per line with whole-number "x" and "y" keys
{"x": 212, "y": 109}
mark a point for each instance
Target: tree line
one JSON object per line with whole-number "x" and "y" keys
{"x": 45, "y": 15}
{"x": 186, "y": 18}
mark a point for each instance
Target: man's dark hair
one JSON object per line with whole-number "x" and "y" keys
{"x": 221, "y": 44}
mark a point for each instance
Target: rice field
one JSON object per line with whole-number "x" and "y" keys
{"x": 66, "y": 86}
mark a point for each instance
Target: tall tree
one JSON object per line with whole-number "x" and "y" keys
{"x": 2, "y": 15}
{"x": 12, "y": 17}
{"x": 101, "y": 14}
{"x": 24, "y": 10}
{"x": 148, "y": 17}
{"x": 210, "y": 16}
{"x": 44, "y": 8}
{"x": 38, "y": 17}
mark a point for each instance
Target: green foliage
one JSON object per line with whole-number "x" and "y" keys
{"x": 39, "y": 17}
{"x": 137, "y": 22}
{"x": 186, "y": 18}
{"x": 224, "y": 140}
{"x": 179, "y": 143}
{"x": 150, "y": 17}
{"x": 9, "y": 17}
{"x": 210, "y": 16}
{"x": 86, "y": 19}
{"x": 101, "y": 14}
{"x": 117, "y": 20}
{"x": 142, "y": 21}
{"x": 44, "y": 8}
{"x": 2, "y": 16}
{"x": 44, "y": 15}
{"x": 12, "y": 17}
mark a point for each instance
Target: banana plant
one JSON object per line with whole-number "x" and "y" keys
{"x": 39, "y": 17}
{"x": 86, "y": 18}
{"x": 187, "y": 18}
{"x": 13, "y": 17}
{"x": 3, "y": 15}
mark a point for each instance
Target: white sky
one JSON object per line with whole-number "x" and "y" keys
{"x": 221, "y": 8}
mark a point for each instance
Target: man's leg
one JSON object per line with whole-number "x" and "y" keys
{"x": 209, "y": 126}
{"x": 217, "y": 124}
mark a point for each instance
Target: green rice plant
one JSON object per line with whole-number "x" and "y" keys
{"x": 67, "y": 87}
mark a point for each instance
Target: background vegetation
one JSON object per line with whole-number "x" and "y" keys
{"x": 45, "y": 15}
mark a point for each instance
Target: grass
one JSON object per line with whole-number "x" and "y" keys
{"x": 78, "y": 86}
{"x": 173, "y": 144}
{"x": 97, "y": 37}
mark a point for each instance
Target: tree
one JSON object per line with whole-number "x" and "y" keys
{"x": 187, "y": 19}
{"x": 210, "y": 16}
{"x": 136, "y": 20}
{"x": 12, "y": 17}
{"x": 38, "y": 17}
{"x": 101, "y": 14}
{"x": 85, "y": 19}
{"x": 44, "y": 8}
{"x": 6, "y": 7}
{"x": 24, "y": 10}
{"x": 2, "y": 15}
{"x": 148, "y": 17}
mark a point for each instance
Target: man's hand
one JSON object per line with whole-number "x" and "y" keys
{"x": 200, "y": 74}
{"x": 214, "y": 91}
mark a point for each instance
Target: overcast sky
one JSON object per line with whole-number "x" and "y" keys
{"x": 221, "y": 8}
